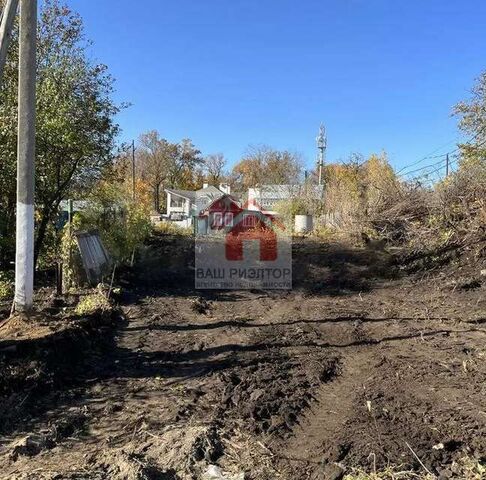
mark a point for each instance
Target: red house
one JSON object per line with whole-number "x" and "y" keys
{"x": 225, "y": 215}
{"x": 219, "y": 214}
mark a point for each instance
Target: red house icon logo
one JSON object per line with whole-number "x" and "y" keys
{"x": 240, "y": 247}
{"x": 252, "y": 225}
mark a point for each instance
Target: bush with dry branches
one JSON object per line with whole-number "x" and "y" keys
{"x": 449, "y": 216}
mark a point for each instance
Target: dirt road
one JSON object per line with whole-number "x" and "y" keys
{"x": 359, "y": 365}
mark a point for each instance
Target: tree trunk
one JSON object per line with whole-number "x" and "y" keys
{"x": 47, "y": 212}
{"x": 41, "y": 233}
{"x": 157, "y": 198}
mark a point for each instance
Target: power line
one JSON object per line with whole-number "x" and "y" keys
{"x": 432, "y": 165}
{"x": 451, "y": 162}
{"x": 429, "y": 156}
{"x": 444, "y": 156}
{"x": 427, "y": 176}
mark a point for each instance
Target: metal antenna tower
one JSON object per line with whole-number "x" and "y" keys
{"x": 321, "y": 145}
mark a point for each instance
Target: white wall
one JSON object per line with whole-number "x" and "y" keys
{"x": 186, "y": 207}
{"x": 253, "y": 194}
{"x": 225, "y": 188}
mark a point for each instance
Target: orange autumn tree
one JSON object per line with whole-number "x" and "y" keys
{"x": 264, "y": 165}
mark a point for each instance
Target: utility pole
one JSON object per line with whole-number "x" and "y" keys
{"x": 24, "y": 254}
{"x": 321, "y": 145}
{"x": 8, "y": 16}
{"x": 133, "y": 169}
{"x": 447, "y": 165}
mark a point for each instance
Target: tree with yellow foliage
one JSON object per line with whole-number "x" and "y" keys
{"x": 357, "y": 187}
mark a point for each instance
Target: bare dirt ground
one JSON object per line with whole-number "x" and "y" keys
{"x": 360, "y": 365}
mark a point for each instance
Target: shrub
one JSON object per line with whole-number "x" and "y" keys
{"x": 92, "y": 303}
{"x": 71, "y": 261}
{"x": 466, "y": 468}
{"x": 123, "y": 223}
{"x": 453, "y": 212}
{"x": 356, "y": 190}
{"x": 6, "y": 285}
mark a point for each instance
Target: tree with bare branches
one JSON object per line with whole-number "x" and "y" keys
{"x": 214, "y": 165}
{"x": 156, "y": 159}
{"x": 265, "y": 165}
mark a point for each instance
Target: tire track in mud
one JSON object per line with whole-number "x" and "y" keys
{"x": 357, "y": 418}
{"x": 320, "y": 428}
{"x": 290, "y": 372}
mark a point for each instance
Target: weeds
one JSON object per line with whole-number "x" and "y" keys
{"x": 6, "y": 285}
{"x": 389, "y": 473}
{"x": 92, "y": 303}
{"x": 465, "y": 468}
{"x": 170, "y": 228}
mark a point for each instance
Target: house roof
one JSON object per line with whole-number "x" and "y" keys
{"x": 193, "y": 194}
{"x": 226, "y": 199}
{"x": 190, "y": 195}
{"x": 282, "y": 192}
{"x": 265, "y": 218}
{"x": 210, "y": 190}
{"x": 205, "y": 196}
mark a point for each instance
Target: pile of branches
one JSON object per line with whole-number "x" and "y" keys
{"x": 399, "y": 211}
{"x": 452, "y": 214}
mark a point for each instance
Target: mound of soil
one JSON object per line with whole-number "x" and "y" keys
{"x": 41, "y": 353}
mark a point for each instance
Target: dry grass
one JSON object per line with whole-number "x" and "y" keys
{"x": 465, "y": 469}
{"x": 170, "y": 228}
{"x": 6, "y": 285}
{"x": 92, "y": 303}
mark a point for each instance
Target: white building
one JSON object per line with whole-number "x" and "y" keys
{"x": 184, "y": 204}
{"x": 266, "y": 197}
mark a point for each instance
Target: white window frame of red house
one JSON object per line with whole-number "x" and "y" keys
{"x": 228, "y": 219}
{"x": 222, "y": 219}
{"x": 217, "y": 220}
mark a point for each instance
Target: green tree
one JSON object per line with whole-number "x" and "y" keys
{"x": 123, "y": 222}
{"x": 473, "y": 122}
{"x": 76, "y": 130}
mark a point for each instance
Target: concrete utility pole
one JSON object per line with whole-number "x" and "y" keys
{"x": 8, "y": 16}
{"x": 321, "y": 145}
{"x": 24, "y": 254}
{"x": 447, "y": 165}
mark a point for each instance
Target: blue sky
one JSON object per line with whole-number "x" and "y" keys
{"x": 381, "y": 74}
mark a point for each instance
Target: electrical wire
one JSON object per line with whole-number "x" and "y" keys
{"x": 444, "y": 155}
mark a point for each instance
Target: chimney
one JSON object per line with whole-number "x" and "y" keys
{"x": 205, "y": 185}
{"x": 225, "y": 188}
